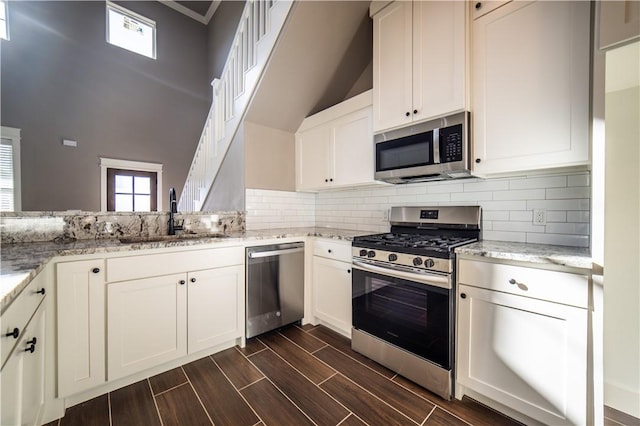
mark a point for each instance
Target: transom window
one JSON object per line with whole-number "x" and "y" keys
{"x": 131, "y": 31}
{"x": 131, "y": 191}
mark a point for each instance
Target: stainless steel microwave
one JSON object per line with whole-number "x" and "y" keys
{"x": 433, "y": 150}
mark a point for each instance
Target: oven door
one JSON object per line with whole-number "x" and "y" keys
{"x": 406, "y": 310}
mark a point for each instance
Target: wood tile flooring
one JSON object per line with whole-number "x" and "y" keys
{"x": 296, "y": 376}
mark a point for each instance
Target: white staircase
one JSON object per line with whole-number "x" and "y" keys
{"x": 260, "y": 26}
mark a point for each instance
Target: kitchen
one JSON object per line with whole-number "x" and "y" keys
{"x": 566, "y": 198}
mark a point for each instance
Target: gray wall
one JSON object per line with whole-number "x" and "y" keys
{"x": 60, "y": 79}
{"x": 221, "y": 30}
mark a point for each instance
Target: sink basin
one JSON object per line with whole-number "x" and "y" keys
{"x": 166, "y": 238}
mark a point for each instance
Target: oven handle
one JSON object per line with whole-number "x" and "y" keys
{"x": 430, "y": 279}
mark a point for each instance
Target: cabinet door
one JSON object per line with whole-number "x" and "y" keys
{"x": 147, "y": 323}
{"x": 332, "y": 293}
{"x": 22, "y": 377}
{"x": 531, "y": 86}
{"x": 313, "y": 152}
{"x": 527, "y": 354}
{"x": 392, "y": 66}
{"x": 439, "y": 58}
{"x": 215, "y": 300}
{"x": 353, "y": 149}
{"x": 81, "y": 326}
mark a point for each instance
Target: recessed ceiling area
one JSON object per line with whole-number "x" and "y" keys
{"x": 200, "y": 10}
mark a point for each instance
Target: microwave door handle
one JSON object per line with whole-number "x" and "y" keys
{"x": 436, "y": 146}
{"x": 429, "y": 279}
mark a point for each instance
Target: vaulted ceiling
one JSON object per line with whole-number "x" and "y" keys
{"x": 200, "y": 10}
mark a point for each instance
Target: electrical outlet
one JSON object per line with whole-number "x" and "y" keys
{"x": 539, "y": 217}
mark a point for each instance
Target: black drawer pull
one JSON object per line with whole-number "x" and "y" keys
{"x": 31, "y": 349}
{"x": 95, "y": 270}
{"x": 15, "y": 333}
{"x": 32, "y": 341}
{"x": 41, "y": 291}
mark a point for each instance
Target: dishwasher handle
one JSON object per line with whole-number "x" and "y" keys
{"x": 259, "y": 254}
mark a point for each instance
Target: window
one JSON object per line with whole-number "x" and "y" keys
{"x": 131, "y": 31}
{"x": 130, "y": 186}
{"x": 131, "y": 191}
{"x": 10, "y": 170}
{"x": 4, "y": 20}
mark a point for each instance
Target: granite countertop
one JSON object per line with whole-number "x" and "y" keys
{"x": 575, "y": 257}
{"x": 21, "y": 262}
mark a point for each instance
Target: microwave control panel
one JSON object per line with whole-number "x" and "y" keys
{"x": 451, "y": 141}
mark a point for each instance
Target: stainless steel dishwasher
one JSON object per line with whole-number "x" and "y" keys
{"x": 275, "y": 286}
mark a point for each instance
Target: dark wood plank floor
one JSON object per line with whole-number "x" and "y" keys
{"x": 296, "y": 376}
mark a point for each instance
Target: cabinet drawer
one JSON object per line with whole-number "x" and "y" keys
{"x": 152, "y": 265}
{"x": 19, "y": 313}
{"x": 559, "y": 287}
{"x": 332, "y": 249}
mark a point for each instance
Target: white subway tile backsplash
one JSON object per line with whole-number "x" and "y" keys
{"x": 520, "y": 216}
{"x": 520, "y": 194}
{"x": 507, "y": 205}
{"x": 538, "y": 182}
{"x": 570, "y": 192}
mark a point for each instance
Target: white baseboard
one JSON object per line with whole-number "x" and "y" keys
{"x": 622, "y": 398}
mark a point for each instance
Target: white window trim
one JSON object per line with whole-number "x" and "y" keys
{"x": 6, "y": 20}
{"x": 143, "y": 19}
{"x": 140, "y": 166}
{"x": 13, "y": 134}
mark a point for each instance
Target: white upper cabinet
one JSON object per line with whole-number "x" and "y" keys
{"x": 328, "y": 142}
{"x": 531, "y": 87}
{"x": 419, "y": 62}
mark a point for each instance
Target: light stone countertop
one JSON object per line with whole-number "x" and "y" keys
{"x": 575, "y": 257}
{"x": 21, "y": 262}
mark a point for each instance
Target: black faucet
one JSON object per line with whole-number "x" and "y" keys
{"x": 173, "y": 208}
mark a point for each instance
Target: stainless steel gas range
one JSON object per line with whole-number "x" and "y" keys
{"x": 403, "y": 292}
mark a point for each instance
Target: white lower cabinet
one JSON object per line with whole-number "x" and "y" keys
{"x": 147, "y": 323}
{"x": 213, "y": 300}
{"x": 332, "y": 284}
{"x": 22, "y": 379}
{"x": 155, "y": 320}
{"x": 80, "y": 290}
{"x": 525, "y": 353}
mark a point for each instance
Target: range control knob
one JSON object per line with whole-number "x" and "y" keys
{"x": 428, "y": 263}
{"x": 417, "y": 261}
{"x": 363, "y": 253}
{"x": 393, "y": 257}
{"x": 371, "y": 253}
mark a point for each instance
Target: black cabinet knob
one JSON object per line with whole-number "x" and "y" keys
{"x": 15, "y": 333}
{"x": 95, "y": 270}
{"x": 330, "y": 179}
{"x": 41, "y": 291}
{"x": 31, "y": 349}
{"x": 463, "y": 295}
{"x": 326, "y": 180}
{"x": 32, "y": 341}
{"x": 415, "y": 111}
{"x": 329, "y": 251}
{"x": 348, "y": 271}
{"x": 407, "y": 114}
{"x": 182, "y": 282}
{"x": 478, "y": 161}
{"x": 193, "y": 280}
{"x": 512, "y": 281}
{"x": 478, "y": 5}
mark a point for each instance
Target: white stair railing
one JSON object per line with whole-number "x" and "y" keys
{"x": 258, "y": 31}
